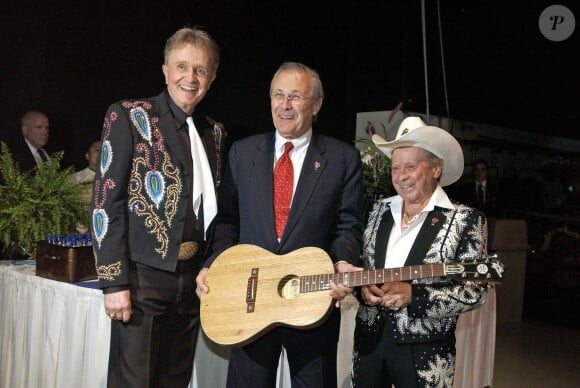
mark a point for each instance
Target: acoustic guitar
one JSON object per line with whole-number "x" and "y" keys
{"x": 252, "y": 290}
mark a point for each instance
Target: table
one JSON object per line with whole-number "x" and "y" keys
{"x": 55, "y": 334}
{"x": 52, "y": 334}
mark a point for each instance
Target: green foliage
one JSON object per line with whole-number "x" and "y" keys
{"x": 37, "y": 203}
{"x": 377, "y": 178}
{"x": 376, "y": 171}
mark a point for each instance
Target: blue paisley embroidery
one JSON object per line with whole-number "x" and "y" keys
{"x": 100, "y": 224}
{"x": 155, "y": 186}
{"x": 141, "y": 122}
{"x": 106, "y": 156}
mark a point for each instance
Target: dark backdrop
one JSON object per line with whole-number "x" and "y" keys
{"x": 71, "y": 61}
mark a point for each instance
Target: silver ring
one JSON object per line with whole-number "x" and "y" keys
{"x": 112, "y": 315}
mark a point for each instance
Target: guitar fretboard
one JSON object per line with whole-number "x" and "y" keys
{"x": 312, "y": 283}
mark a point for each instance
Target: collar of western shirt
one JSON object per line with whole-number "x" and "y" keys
{"x": 439, "y": 199}
{"x": 179, "y": 115}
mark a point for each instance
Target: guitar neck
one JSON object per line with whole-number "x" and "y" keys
{"x": 312, "y": 283}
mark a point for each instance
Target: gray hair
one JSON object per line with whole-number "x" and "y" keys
{"x": 317, "y": 89}
{"x": 196, "y": 37}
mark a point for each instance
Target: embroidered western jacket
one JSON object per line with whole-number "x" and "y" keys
{"x": 447, "y": 235}
{"x": 139, "y": 196}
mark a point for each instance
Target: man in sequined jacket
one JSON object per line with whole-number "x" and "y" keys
{"x": 405, "y": 330}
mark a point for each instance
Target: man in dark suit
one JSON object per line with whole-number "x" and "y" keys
{"x": 480, "y": 192}
{"x": 154, "y": 200}
{"x": 29, "y": 151}
{"x": 325, "y": 212}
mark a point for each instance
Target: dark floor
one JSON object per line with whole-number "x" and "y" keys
{"x": 544, "y": 349}
{"x": 552, "y": 291}
{"x": 535, "y": 354}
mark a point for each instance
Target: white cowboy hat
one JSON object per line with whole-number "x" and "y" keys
{"x": 413, "y": 132}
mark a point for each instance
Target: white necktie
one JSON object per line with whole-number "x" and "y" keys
{"x": 202, "y": 178}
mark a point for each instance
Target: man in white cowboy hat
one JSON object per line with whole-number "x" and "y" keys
{"x": 405, "y": 330}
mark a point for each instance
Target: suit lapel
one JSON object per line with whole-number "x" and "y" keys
{"x": 209, "y": 141}
{"x": 383, "y": 234}
{"x": 168, "y": 129}
{"x": 262, "y": 180}
{"x": 432, "y": 225}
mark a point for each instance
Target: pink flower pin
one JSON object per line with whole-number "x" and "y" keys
{"x": 434, "y": 220}
{"x": 316, "y": 165}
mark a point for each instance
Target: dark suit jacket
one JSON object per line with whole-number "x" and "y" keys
{"x": 466, "y": 194}
{"x": 21, "y": 154}
{"x": 326, "y": 209}
{"x": 139, "y": 197}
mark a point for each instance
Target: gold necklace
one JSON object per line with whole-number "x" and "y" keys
{"x": 406, "y": 221}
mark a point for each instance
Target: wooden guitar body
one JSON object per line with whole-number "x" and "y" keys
{"x": 251, "y": 291}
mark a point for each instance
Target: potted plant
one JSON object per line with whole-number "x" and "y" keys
{"x": 36, "y": 203}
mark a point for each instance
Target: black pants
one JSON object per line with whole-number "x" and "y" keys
{"x": 311, "y": 356}
{"x": 156, "y": 347}
{"x": 404, "y": 365}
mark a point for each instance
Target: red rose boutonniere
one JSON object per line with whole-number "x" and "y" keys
{"x": 434, "y": 220}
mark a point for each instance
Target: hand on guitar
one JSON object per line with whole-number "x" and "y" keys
{"x": 202, "y": 287}
{"x": 393, "y": 295}
{"x": 340, "y": 291}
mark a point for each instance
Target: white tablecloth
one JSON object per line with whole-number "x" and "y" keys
{"x": 475, "y": 344}
{"x": 55, "y": 335}
{"x": 52, "y": 334}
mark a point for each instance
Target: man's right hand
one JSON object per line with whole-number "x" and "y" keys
{"x": 202, "y": 287}
{"x": 118, "y": 305}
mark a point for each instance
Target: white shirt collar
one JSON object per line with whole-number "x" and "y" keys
{"x": 300, "y": 143}
{"x": 33, "y": 149}
{"x": 34, "y": 152}
{"x": 439, "y": 198}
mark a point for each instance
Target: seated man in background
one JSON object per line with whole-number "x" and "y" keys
{"x": 87, "y": 175}
{"x": 29, "y": 151}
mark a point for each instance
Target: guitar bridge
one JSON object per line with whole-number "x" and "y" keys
{"x": 251, "y": 290}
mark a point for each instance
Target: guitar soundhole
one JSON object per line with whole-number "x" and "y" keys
{"x": 289, "y": 286}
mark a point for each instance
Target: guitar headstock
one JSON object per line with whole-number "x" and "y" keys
{"x": 486, "y": 269}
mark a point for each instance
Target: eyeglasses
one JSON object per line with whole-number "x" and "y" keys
{"x": 293, "y": 98}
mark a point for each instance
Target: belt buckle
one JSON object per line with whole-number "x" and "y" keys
{"x": 187, "y": 250}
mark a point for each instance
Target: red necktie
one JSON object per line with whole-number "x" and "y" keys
{"x": 283, "y": 185}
